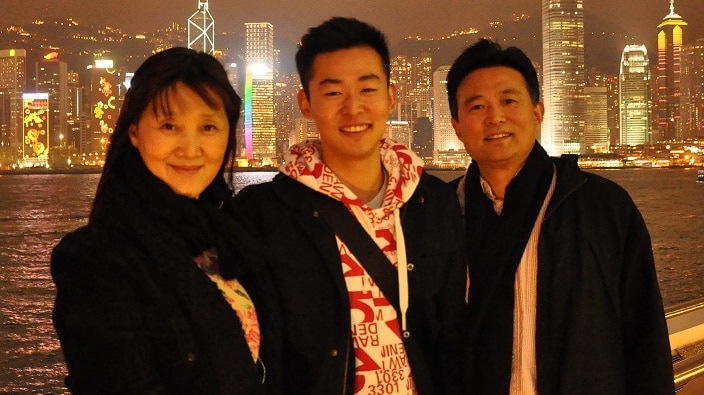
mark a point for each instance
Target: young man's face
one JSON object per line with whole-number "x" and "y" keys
{"x": 349, "y": 100}
{"x": 496, "y": 119}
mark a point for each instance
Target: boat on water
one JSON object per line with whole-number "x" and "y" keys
{"x": 700, "y": 175}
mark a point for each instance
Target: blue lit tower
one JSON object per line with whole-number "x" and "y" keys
{"x": 634, "y": 95}
{"x": 669, "y": 74}
{"x": 563, "y": 76}
{"x": 201, "y": 29}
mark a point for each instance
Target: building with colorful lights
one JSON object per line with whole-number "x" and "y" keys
{"x": 105, "y": 108}
{"x": 259, "y": 129}
{"x": 668, "y": 76}
{"x": 35, "y": 130}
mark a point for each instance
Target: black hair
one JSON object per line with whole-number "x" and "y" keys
{"x": 160, "y": 73}
{"x": 334, "y": 34}
{"x": 486, "y": 53}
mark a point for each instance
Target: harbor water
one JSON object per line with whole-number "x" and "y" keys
{"x": 37, "y": 210}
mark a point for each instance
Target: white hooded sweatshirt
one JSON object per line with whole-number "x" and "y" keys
{"x": 381, "y": 363}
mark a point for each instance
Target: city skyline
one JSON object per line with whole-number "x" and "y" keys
{"x": 398, "y": 19}
{"x": 269, "y": 128}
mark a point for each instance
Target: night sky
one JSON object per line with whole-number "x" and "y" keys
{"x": 397, "y": 18}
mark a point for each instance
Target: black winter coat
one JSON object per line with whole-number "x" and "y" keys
{"x": 136, "y": 315}
{"x": 600, "y": 321}
{"x": 318, "y": 353}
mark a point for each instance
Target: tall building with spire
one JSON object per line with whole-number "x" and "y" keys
{"x": 634, "y": 96}
{"x": 201, "y": 29}
{"x": 563, "y": 76}
{"x": 259, "y": 129}
{"x": 668, "y": 76}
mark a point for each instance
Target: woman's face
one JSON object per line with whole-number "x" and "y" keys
{"x": 184, "y": 145}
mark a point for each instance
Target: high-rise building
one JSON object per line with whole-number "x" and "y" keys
{"x": 596, "y": 125}
{"x": 444, "y": 137}
{"x": 400, "y": 131}
{"x": 104, "y": 110}
{"x": 422, "y": 138}
{"x": 596, "y": 77}
{"x": 634, "y": 94}
{"x": 13, "y": 83}
{"x": 35, "y": 129}
{"x": 260, "y": 133}
{"x": 304, "y": 129}
{"x": 75, "y": 115}
{"x": 669, "y": 75}
{"x": 52, "y": 77}
{"x": 286, "y": 110}
{"x": 413, "y": 78}
{"x": 201, "y": 29}
{"x": 563, "y": 76}
{"x": 693, "y": 89}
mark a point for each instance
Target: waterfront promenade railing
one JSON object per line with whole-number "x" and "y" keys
{"x": 685, "y": 324}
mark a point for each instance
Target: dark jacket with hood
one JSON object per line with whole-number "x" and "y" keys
{"x": 318, "y": 353}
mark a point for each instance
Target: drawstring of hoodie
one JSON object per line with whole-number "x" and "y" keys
{"x": 402, "y": 260}
{"x": 402, "y": 269}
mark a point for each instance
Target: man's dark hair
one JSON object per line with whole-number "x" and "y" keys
{"x": 334, "y": 34}
{"x": 486, "y": 53}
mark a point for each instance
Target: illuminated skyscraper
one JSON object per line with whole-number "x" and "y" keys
{"x": 563, "y": 76}
{"x": 75, "y": 116}
{"x": 286, "y": 109}
{"x": 260, "y": 133}
{"x": 669, "y": 74}
{"x": 693, "y": 89}
{"x": 444, "y": 136}
{"x": 446, "y": 145}
{"x": 201, "y": 29}
{"x": 52, "y": 78}
{"x": 35, "y": 129}
{"x": 400, "y": 131}
{"x": 596, "y": 77}
{"x": 304, "y": 129}
{"x": 413, "y": 78}
{"x": 596, "y": 120}
{"x": 13, "y": 83}
{"x": 634, "y": 94}
{"x": 104, "y": 110}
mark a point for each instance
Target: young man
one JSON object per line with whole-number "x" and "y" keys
{"x": 367, "y": 246}
{"x": 563, "y": 294}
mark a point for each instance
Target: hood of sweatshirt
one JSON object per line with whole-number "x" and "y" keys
{"x": 303, "y": 162}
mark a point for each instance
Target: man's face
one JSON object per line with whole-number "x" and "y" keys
{"x": 496, "y": 119}
{"x": 349, "y": 100}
